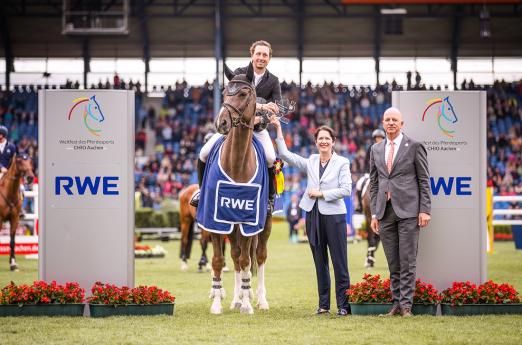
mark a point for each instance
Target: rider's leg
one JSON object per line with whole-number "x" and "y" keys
{"x": 270, "y": 157}
{"x": 203, "y": 155}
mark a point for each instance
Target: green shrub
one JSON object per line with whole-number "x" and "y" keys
{"x": 143, "y": 217}
{"x": 502, "y": 229}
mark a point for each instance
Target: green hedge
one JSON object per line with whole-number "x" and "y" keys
{"x": 502, "y": 229}
{"x": 148, "y": 218}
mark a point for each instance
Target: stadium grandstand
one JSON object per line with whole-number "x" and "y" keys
{"x": 339, "y": 60}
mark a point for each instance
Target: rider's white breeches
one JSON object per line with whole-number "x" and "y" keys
{"x": 262, "y": 136}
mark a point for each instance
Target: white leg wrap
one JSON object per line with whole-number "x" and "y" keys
{"x": 217, "y": 293}
{"x": 184, "y": 266}
{"x": 261, "y": 289}
{"x": 236, "y": 301}
{"x": 246, "y": 294}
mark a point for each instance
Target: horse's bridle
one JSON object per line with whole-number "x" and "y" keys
{"x": 232, "y": 88}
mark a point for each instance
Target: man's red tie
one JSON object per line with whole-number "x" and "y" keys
{"x": 389, "y": 162}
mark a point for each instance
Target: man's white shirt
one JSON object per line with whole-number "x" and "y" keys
{"x": 397, "y": 143}
{"x": 2, "y": 146}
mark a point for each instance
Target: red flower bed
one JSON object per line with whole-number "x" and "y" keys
{"x": 425, "y": 293}
{"x": 487, "y": 293}
{"x": 42, "y": 293}
{"x": 112, "y": 294}
{"x": 503, "y": 237}
{"x": 374, "y": 290}
{"x": 371, "y": 290}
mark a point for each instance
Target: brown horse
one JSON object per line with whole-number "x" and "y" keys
{"x": 11, "y": 199}
{"x": 238, "y": 161}
{"x": 187, "y": 217}
{"x": 373, "y": 238}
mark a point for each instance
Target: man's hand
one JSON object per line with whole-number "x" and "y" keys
{"x": 424, "y": 219}
{"x": 272, "y": 107}
{"x": 315, "y": 193}
{"x": 374, "y": 225}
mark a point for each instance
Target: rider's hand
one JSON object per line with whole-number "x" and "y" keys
{"x": 272, "y": 107}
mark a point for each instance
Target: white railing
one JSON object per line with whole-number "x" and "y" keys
{"x": 507, "y": 212}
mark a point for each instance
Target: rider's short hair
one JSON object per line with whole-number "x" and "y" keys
{"x": 260, "y": 43}
{"x": 327, "y": 129}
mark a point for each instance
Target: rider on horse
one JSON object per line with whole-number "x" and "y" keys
{"x": 363, "y": 187}
{"x": 377, "y": 135}
{"x": 268, "y": 88}
{"x": 7, "y": 151}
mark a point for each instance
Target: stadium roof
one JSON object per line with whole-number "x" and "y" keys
{"x": 311, "y": 28}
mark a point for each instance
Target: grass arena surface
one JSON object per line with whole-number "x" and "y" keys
{"x": 291, "y": 292}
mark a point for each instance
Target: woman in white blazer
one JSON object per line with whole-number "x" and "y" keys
{"x": 329, "y": 182}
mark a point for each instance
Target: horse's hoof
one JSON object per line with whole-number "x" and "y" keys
{"x": 235, "y": 305}
{"x": 184, "y": 267}
{"x": 226, "y": 269}
{"x": 262, "y": 306}
{"x": 216, "y": 310}
{"x": 200, "y": 269}
{"x": 14, "y": 268}
{"x": 246, "y": 309}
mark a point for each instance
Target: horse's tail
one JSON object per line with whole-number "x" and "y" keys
{"x": 253, "y": 256}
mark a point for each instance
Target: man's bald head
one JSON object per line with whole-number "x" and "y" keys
{"x": 392, "y": 122}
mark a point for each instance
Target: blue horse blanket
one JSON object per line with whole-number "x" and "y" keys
{"x": 224, "y": 202}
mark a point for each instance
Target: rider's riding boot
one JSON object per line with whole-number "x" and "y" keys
{"x": 271, "y": 189}
{"x": 201, "y": 170}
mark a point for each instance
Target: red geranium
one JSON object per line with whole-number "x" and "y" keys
{"x": 425, "y": 293}
{"x": 371, "y": 290}
{"x": 115, "y": 295}
{"x": 41, "y": 292}
{"x": 488, "y": 293}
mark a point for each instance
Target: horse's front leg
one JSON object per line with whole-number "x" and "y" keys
{"x": 235, "y": 252}
{"x": 217, "y": 292}
{"x": 261, "y": 256}
{"x": 12, "y": 232}
{"x": 246, "y": 295}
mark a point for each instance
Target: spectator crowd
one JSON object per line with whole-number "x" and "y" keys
{"x": 168, "y": 138}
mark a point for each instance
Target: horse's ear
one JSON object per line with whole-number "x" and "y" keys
{"x": 228, "y": 72}
{"x": 250, "y": 72}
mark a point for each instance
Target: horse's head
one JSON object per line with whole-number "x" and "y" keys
{"x": 447, "y": 111}
{"x": 94, "y": 110}
{"x": 24, "y": 167}
{"x": 239, "y": 102}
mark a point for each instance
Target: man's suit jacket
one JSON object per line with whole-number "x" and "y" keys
{"x": 336, "y": 182}
{"x": 268, "y": 87}
{"x": 408, "y": 181}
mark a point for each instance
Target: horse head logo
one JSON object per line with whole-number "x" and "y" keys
{"x": 91, "y": 113}
{"x": 446, "y": 115}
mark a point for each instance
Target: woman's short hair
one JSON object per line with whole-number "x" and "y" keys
{"x": 327, "y": 129}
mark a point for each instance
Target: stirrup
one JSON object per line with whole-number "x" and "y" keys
{"x": 195, "y": 199}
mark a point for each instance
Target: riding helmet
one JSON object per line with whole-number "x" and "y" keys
{"x": 378, "y": 133}
{"x": 4, "y": 131}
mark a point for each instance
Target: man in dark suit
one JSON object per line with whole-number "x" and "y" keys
{"x": 400, "y": 205}
{"x": 7, "y": 151}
